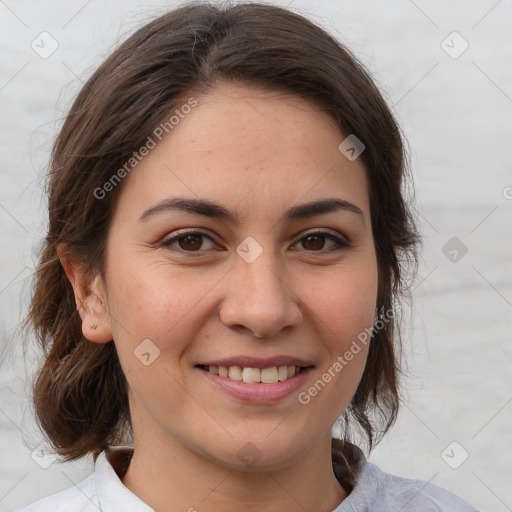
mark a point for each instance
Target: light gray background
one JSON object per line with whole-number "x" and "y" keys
{"x": 457, "y": 116}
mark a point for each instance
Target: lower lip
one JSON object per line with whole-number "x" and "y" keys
{"x": 257, "y": 392}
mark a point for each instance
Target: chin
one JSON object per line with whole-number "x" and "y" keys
{"x": 262, "y": 452}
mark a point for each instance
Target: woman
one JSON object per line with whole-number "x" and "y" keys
{"x": 226, "y": 249}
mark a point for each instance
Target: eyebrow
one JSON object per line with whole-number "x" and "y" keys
{"x": 216, "y": 211}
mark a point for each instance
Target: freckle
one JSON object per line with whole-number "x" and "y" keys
{"x": 206, "y": 337}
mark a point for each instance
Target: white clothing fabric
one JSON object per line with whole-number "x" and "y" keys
{"x": 374, "y": 491}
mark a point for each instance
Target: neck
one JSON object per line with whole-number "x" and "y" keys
{"x": 169, "y": 476}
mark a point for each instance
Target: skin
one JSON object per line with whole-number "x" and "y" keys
{"x": 257, "y": 153}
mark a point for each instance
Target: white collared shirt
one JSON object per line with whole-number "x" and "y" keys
{"x": 375, "y": 491}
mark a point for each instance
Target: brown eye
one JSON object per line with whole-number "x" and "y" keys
{"x": 316, "y": 242}
{"x": 189, "y": 242}
{"x": 313, "y": 242}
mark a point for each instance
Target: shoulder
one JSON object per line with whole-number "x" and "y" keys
{"x": 80, "y": 498}
{"x": 385, "y": 492}
{"x": 377, "y": 491}
{"x": 103, "y": 490}
{"x": 414, "y": 495}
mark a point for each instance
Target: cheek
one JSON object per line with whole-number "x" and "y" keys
{"x": 346, "y": 304}
{"x": 153, "y": 304}
{"x": 345, "y": 310}
{"x": 156, "y": 302}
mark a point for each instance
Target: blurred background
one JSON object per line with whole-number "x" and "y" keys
{"x": 445, "y": 68}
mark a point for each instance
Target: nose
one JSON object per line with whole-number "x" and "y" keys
{"x": 259, "y": 299}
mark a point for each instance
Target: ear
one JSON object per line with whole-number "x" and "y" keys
{"x": 90, "y": 298}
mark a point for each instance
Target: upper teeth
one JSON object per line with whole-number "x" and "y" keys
{"x": 265, "y": 375}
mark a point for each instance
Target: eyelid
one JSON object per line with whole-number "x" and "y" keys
{"x": 166, "y": 242}
{"x": 340, "y": 241}
{"x": 323, "y": 231}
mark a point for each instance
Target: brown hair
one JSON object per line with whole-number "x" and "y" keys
{"x": 80, "y": 393}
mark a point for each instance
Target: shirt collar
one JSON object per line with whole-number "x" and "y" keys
{"x": 113, "y": 495}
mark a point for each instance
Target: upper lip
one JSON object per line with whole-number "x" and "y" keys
{"x": 257, "y": 362}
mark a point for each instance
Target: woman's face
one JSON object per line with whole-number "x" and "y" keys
{"x": 188, "y": 286}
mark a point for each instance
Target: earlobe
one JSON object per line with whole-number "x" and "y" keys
{"x": 90, "y": 299}
{"x": 96, "y": 319}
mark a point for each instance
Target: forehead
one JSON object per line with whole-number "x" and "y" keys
{"x": 248, "y": 149}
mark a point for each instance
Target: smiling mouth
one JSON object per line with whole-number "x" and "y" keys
{"x": 254, "y": 375}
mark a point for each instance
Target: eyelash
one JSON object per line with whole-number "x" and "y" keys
{"x": 340, "y": 243}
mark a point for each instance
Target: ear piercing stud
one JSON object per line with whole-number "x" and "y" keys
{"x": 93, "y": 326}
